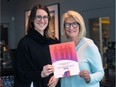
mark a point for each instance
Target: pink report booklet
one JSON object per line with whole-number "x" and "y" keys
{"x": 64, "y": 59}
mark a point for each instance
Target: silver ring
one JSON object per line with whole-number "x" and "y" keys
{"x": 84, "y": 74}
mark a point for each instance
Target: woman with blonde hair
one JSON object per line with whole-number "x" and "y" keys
{"x": 89, "y": 58}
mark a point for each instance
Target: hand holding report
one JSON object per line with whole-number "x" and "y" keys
{"x": 64, "y": 59}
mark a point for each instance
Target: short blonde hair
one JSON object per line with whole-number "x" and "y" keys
{"x": 78, "y": 18}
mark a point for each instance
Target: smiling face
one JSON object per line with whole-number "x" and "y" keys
{"x": 71, "y": 27}
{"x": 41, "y": 21}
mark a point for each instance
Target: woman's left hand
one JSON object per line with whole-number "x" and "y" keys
{"x": 85, "y": 74}
{"x": 53, "y": 82}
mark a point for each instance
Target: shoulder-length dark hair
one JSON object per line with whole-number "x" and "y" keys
{"x": 30, "y": 25}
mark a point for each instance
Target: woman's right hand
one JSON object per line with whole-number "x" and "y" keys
{"x": 47, "y": 70}
{"x": 53, "y": 82}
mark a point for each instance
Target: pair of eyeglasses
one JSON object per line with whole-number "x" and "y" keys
{"x": 68, "y": 25}
{"x": 39, "y": 17}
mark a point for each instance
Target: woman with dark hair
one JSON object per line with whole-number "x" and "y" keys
{"x": 33, "y": 62}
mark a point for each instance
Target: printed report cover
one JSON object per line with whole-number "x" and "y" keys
{"x": 64, "y": 59}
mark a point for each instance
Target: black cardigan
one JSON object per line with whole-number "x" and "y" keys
{"x": 32, "y": 54}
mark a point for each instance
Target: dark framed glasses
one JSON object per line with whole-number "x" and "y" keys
{"x": 68, "y": 25}
{"x": 39, "y": 17}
